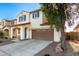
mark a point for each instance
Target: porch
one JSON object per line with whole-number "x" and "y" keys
{"x": 20, "y": 32}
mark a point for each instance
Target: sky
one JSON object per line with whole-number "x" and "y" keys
{"x": 11, "y": 10}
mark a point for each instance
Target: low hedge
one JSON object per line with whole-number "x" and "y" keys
{"x": 7, "y": 37}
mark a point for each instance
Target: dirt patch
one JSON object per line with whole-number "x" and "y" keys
{"x": 50, "y": 51}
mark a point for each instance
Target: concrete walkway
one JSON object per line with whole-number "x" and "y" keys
{"x": 24, "y": 48}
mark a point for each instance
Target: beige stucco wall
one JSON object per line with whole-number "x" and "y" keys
{"x": 35, "y": 23}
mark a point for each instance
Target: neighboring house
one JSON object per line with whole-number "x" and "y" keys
{"x": 5, "y": 26}
{"x": 72, "y": 27}
{"x": 74, "y": 34}
{"x": 30, "y": 25}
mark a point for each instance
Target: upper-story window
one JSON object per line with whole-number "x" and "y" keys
{"x": 22, "y": 18}
{"x": 35, "y": 15}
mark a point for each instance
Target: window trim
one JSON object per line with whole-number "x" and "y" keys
{"x": 22, "y": 18}
{"x": 35, "y": 15}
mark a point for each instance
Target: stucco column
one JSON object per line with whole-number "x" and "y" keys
{"x": 17, "y": 32}
{"x": 22, "y": 33}
{"x": 11, "y": 32}
{"x": 57, "y": 35}
{"x": 28, "y": 33}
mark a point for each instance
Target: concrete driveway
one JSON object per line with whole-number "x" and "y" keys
{"x": 24, "y": 48}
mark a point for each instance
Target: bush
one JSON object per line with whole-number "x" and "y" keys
{"x": 7, "y": 37}
{"x": 1, "y": 41}
{"x": 1, "y": 34}
{"x": 4, "y": 36}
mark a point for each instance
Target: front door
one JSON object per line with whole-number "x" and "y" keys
{"x": 25, "y": 32}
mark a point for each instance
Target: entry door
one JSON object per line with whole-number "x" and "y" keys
{"x": 25, "y": 32}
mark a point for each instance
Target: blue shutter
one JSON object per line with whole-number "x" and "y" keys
{"x": 33, "y": 15}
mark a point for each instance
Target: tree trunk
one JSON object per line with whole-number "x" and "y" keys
{"x": 63, "y": 39}
{"x": 63, "y": 18}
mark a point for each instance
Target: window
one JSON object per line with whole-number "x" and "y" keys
{"x": 22, "y": 18}
{"x": 35, "y": 15}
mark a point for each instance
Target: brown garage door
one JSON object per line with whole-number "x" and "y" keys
{"x": 44, "y": 34}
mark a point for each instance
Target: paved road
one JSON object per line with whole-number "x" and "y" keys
{"x": 24, "y": 48}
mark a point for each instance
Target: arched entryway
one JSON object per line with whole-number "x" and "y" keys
{"x": 16, "y": 32}
{"x": 6, "y": 31}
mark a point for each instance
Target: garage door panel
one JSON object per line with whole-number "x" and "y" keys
{"x": 44, "y": 34}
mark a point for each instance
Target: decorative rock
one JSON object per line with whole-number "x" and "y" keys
{"x": 58, "y": 48}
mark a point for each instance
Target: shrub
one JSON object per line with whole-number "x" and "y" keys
{"x": 4, "y": 36}
{"x": 1, "y": 34}
{"x": 7, "y": 37}
{"x": 1, "y": 41}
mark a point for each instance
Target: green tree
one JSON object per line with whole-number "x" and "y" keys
{"x": 56, "y": 15}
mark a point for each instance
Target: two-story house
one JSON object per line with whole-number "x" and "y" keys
{"x": 31, "y": 25}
